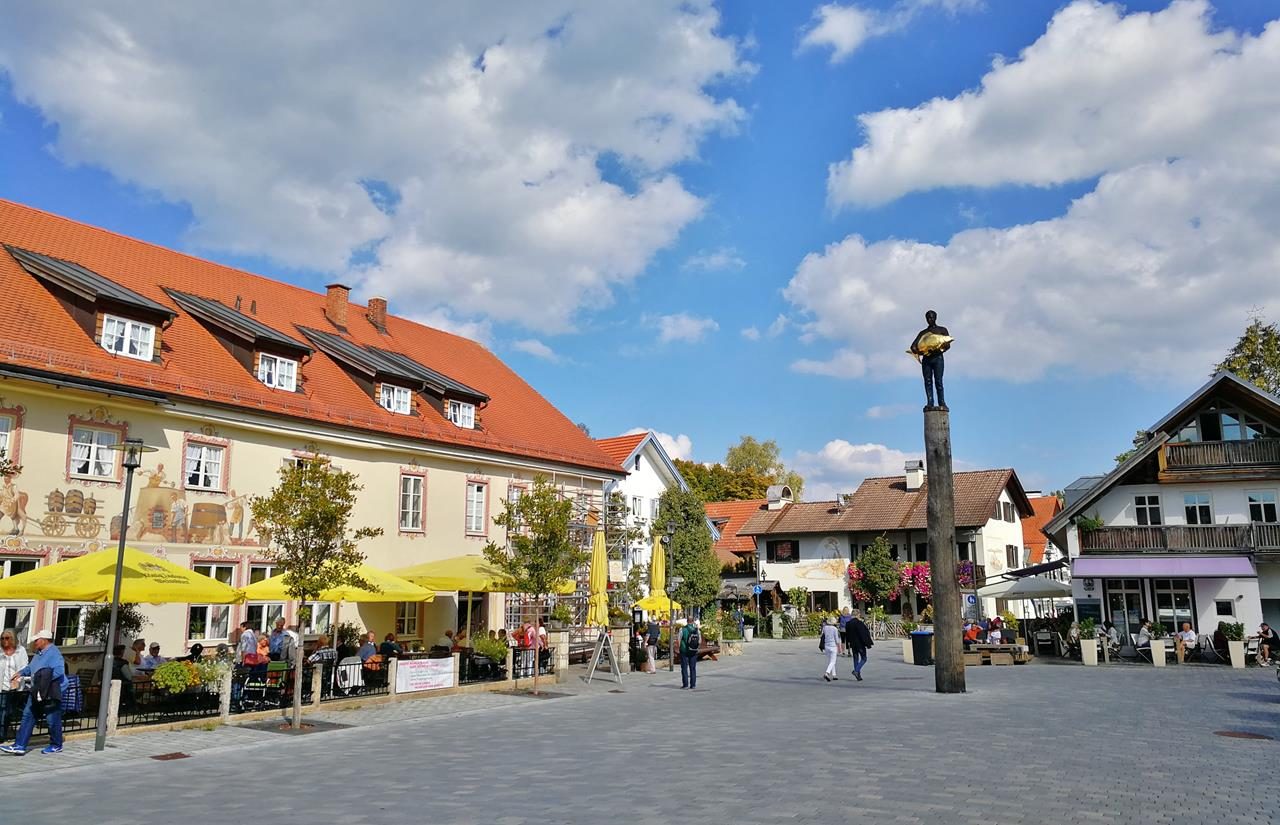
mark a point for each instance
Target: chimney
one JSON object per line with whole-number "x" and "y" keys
{"x": 377, "y": 313}
{"x": 915, "y": 474}
{"x": 335, "y": 304}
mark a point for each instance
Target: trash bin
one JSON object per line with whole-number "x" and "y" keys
{"x": 922, "y": 647}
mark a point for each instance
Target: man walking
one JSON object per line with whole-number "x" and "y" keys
{"x": 652, "y": 634}
{"x": 48, "y": 672}
{"x": 845, "y": 616}
{"x": 690, "y": 643}
{"x": 857, "y": 638}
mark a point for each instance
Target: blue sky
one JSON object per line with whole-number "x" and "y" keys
{"x": 640, "y": 213}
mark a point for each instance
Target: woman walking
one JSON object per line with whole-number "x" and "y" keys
{"x": 13, "y": 658}
{"x": 830, "y": 644}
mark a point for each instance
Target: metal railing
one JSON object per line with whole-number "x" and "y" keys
{"x": 1200, "y": 454}
{"x": 145, "y": 703}
{"x": 522, "y": 659}
{"x": 1173, "y": 538}
{"x": 474, "y": 668}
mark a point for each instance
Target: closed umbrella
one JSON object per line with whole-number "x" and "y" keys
{"x": 598, "y": 600}
{"x": 143, "y": 578}
{"x": 389, "y": 588}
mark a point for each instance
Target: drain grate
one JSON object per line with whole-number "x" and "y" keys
{"x": 166, "y": 757}
{"x": 1241, "y": 734}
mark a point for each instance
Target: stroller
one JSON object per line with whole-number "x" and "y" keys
{"x": 264, "y": 687}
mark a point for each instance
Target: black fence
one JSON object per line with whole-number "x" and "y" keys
{"x": 523, "y": 659}
{"x": 352, "y": 678}
{"x": 144, "y": 703}
{"x": 474, "y": 668}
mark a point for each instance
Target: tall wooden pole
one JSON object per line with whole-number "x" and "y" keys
{"x": 948, "y": 670}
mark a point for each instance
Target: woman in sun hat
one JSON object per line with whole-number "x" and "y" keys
{"x": 829, "y": 644}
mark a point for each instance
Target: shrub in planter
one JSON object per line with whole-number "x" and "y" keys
{"x": 750, "y": 618}
{"x": 1234, "y": 631}
{"x": 1089, "y": 629}
{"x": 561, "y": 613}
{"x": 176, "y": 677}
{"x": 491, "y": 648}
{"x": 129, "y": 622}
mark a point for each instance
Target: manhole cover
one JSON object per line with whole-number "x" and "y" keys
{"x": 165, "y": 757}
{"x": 1240, "y": 734}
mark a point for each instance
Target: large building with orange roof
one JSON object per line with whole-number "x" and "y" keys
{"x": 230, "y": 375}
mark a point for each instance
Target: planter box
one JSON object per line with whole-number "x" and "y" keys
{"x": 1157, "y": 652}
{"x": 748, "y": 633}
{"x": 1237, "y": 654}
{"x": 906, "y": 652}
{"x": 1089, "y": 652}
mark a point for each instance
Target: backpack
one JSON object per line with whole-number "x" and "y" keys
{"x": 693, "y": 641}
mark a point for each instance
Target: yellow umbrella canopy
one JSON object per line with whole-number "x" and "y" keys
{"x": 657, "y": 567}
{"x": 390, "y": 588}
{"x": 657, "y": 604}
{"x": 463, "y": 573}
{"x": 91, "y": 578}
{"x": 598, "y": 601}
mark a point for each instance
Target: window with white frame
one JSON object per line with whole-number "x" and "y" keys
{"x": 411, "y": 502}
{"x": 1012, "y": 556}
{"x": 16, "y": 616}
{"x": 68, "y": 624}
{"x": 278, "y": 373}
{"x": 1198, "y": 508}
{"x": 463, "y": 414}
{"x": 7, "y": 425}
{"x": 91, "y": 453}
{"x": 395, "y": 399}
{"x": 653, "y": 509}
{"x": 321, "y": 618}
{"x": 211, "y": 621}
{"x": 636, "y": 505}
{"x": 132, "y": 339}
{"x": 263, "y": 615}
{"x": 476, "y": 492}
{"x": 1146, "y": 511}
{"x": 1262, "y": 506}
{"x": 406, "y": 618}
{"x": 13, "y": 566}
{"x": 204, "y": 466}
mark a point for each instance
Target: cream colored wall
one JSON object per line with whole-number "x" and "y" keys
{"x": 255, "y": 449}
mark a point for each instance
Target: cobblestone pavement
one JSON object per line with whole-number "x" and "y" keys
{"x": 763, "y": 739}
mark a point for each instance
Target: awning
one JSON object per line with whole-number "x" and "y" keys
{"x": 1180, "y": 567}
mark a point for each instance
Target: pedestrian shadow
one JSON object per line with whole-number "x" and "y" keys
{"x": 1270, "y": 717}
{"x": 1260, "y": 696}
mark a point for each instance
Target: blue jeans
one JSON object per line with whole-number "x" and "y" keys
{"x": 859, "y": 658}
{"x": 689, "y": 670}
{"x": 52, "y": 718}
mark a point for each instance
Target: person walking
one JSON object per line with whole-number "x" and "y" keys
{"x": 690, "y": 643}
{"x": 857, "y": 638}
{"x": 48, "y": 672}
{"x": 841, "y": 623}
{"x": 652, "y": 634}
{"x": 829, "y": 643}
{"x": 248, "y": 642}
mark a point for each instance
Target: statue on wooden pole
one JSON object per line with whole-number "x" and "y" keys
{"x": 948, "y": 670}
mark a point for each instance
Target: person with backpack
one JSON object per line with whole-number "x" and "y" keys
{"x": 48, "y": 674}
{"x": 857, "y": 638}
{"x": 828, "y": 643}
{"x": 690, "y": 643}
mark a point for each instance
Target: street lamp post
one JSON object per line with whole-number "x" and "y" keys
{"x": 131, "y": 451}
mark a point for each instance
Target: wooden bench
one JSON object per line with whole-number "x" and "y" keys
{"x": 997, "y": 654}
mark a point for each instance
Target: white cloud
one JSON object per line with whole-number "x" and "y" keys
{"x": 715, "y": 260}
{"x": 840, "y": 466}
{"x": 883, "y": 411}
{"x": 1152, "y": 273}
{"x": 751, "y": 333}
{"x": 677, "y": 446}
{"x": 844, "y": 29}
{"x": 844, "y": 364}
{"x": 684, "y": 327}
{"x": 441, "y": 318}
{"x": 457, "y": 155}
{"x": 534, "y": 347}
{"x": 778, "y": 326}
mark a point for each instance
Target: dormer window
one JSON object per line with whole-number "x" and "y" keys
{"x": 463, "y": 414}
{"x": 278, "y": 373}
{"x": 395, "y": 399}
{"x": 132, "y": 339}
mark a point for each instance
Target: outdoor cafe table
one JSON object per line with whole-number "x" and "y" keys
{"x": 1019, "y": 652}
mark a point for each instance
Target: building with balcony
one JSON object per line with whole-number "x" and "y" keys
{"x": 232, "y": 375}
{"x": 1186, "y": 528}
{"x": 650, "y": 472}
{"x": 810, "y": 544}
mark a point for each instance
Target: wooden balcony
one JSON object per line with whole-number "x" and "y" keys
{"x": 1207, "y": 455}
{"x": 1175, "y": 538}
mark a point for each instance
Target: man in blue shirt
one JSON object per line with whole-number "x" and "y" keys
{"x": 46, "y": 694}
{"x": 275, "y": 642}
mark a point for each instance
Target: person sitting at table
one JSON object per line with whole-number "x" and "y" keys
{"x": 193, "y": 655}
{"x": 390, "y": 648}
{"x": 460, "y": 639}
{"x": 153, "y": 660}
{"x": 137, "y": 652}
{"x": 995, "y": 634}
{"x": 122, "y": 671}
{"x": 1184, "y": 640}
{"x": 1144, "y": 634}
{"x": 1110, "y": 636}
{"x": 971, "y": 631}
{"x": 367, "y": 648}
{"x": 446, "y": 640}
{"x": 1268, "y": 644}
{"x": 1220, "y": 645}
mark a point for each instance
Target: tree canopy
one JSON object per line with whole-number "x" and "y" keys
{"x": 1256, "y": 356}
{"x": 764, "y": 459}
{"x": 692, "y": 556}
{"x": 540, "y": 554}
{"x": 879, "y": 574}
{"x": 718, "y": 483}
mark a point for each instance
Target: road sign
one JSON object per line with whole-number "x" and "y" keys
{"x": 970, "y": 599}
{"x": 757, "y": 590}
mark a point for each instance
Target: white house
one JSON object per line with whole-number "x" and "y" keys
{"x": 1186, "y": 528}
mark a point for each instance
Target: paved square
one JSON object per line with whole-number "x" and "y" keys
{"x": 764, "y": 739}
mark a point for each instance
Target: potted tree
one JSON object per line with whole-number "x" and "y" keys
{"x": 1089, "y": 642}
{"x": 1159, "y": 633}
{"x": 561, "y": 616}
{"x": 1234, "y": 631}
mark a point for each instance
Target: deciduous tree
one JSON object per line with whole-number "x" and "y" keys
{"x": 764, "y": 459}
{"x": 692, "y": 556}
{"x": 1256, "y": 356}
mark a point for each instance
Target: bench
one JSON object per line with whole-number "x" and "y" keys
{"x": 997, "y": 654}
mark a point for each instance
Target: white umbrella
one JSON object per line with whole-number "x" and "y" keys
{"x": 1029, "y": 587}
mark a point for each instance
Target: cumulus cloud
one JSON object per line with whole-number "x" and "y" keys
{"x": 684, "y": 327}
{"x": 677, "y": 446}
{"x": 456, "y": 156}
{"x": 751, "y": 333}
{"x": 840, "y": 466}
{"x": 715, "y": 260}
{"x": 534, "y": 347}
{"x": 844, "y": 29}
{"x": 844, "y": 364}
{"x": 1152, "y": 273}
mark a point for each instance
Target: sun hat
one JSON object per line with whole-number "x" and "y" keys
{"x": 42, "y": 634}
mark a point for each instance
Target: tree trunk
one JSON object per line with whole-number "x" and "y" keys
{"x": 297, "y": 671}
{"x": 948, "y": 670}
{"x": 537, "y": 649}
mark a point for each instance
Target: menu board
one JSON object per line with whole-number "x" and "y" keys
{"x": 414, "y": 675}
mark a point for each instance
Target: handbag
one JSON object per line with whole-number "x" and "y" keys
{"x": 822, "y": 643}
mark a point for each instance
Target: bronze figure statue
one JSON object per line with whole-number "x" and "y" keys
{"x": 929, "y": 345}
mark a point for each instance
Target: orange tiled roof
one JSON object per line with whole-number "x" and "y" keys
{"x": 620, "y": 447}
{"x": 729, "y": 517}
{"x": 40, "y": 334}
{"x": 885, "y": 504}
{"x": 1033, "y": 537}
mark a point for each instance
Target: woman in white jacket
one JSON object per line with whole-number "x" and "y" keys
{"x": 13, "y": 658}
{"x": 830, "y": 645}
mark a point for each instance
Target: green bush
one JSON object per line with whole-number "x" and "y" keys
{"x": 561, "y": 613}
{"x": 1234, "y": 631}
{"x": 1088, "y": 629}
{"x": 176, "y": 677}
{"x": 492, "y": 648}
{"x": 750, "y": 618}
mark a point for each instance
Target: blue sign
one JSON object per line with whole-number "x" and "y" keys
{"x": 757, "y": 590}
{"x": 970, "y": 599}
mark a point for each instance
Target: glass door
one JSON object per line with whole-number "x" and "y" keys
{"x": 1173, "y": 603}
{"x": 1124, "y": 606}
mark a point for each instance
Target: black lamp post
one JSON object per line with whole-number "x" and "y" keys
{"x": 671, "y": 589}
{"x": 131, "y": 456}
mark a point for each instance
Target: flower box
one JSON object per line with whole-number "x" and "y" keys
{"x": 1089, "y": 652}
{"x": 1237, "y": 654}
{"x": 1157, "y": 652}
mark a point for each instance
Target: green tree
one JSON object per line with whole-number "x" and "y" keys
{"x": 717, "y": 482}
{"x": 879, "y": 571}
{"x": 764, "y": 459}
{"x": 1256, "y": 356}
{"x": 305, "y": 519}
{"x": 1140, "y": 438}
{"x": 692, "y": 556}
{"x": 540, "y": 554}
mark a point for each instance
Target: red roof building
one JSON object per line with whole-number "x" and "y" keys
{"x": 729, "y": 517}
{"x": 1033, "y": 537}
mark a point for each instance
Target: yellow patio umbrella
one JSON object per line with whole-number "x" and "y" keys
{"x": 464, "y": 574}
{"x": 143, "y": 578}
{"x": 598, "y": 601}
{"x": 657, "y": 602}
{"x": 390, "y": 588}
